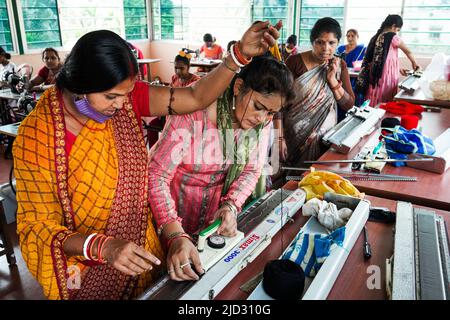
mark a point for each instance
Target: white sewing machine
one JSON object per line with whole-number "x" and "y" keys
{"x": 359, "y": 122}
{"x": 259, "y": 222}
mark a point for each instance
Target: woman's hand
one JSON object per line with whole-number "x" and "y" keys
{"x": 228, "y": 227}
{"x": 258, "y": 38}
{"x": 128, "y": 257}
{"x": 181, "y": 253}
{"x": 332, "y": 71}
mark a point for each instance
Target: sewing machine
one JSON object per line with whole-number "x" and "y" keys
{"x": 410, "y": 83}
{"x": 359, "y": 122}
{"x": 319, "y": 287}
{"x": 259, "y": 222}
{"x": 420, "y": 269}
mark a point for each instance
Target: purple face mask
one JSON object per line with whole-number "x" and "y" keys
{"x": 86, "y": 109}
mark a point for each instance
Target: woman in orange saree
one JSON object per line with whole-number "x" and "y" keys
{"x": 83, "y": 219}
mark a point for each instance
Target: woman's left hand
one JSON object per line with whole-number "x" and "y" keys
{"x": 258, "y": 38}
{"x": 228, "y": 227}
{"x": 332, "y": 71}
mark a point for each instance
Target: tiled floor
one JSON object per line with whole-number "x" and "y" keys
{"x": 16, "y": 282}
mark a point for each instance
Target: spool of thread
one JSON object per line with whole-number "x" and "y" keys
{"x": 283, "y": 280}
{"x": 409, "y": 121}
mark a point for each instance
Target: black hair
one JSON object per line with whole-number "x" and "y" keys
{"x": 184, "y": 60}
{"x": 388, "y": 22}
{"x": 4, "y": 53}
{"x": 208, "y": 37}
{"x": 292, "y": 39}
{"x": 99, "y": 61}
{"x": 50, "y": 49}
{"x": 326, "y": 24}
{"x": 354, "y": 31}
{"x": 230, "y": 44}
{"x": 276, "y": 77}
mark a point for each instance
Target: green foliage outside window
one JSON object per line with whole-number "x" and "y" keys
{"x": 135, "y": 12}
{"x": 5, "y": 29}
{"x": 40, "y": 18}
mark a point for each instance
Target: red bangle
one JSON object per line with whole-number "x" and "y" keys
{"x": 184, "y": 235}
{"x": 99, "y": 253}
{"x": 239, "y": 55}
{"x": 99, "y": 246}
{"x": 90, "y": 246}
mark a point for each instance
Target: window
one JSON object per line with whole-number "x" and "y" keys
{"x": 80, "y": 17}
{"x": 311, "y": 11}
{"x": 272, "y": 10}
{"x": 5, "y": 28}
{"x": 40, "y": 19}
{"x": 426, "y": 26}
{"x": 135, "y": 12}
{"x": 191, "y": 19}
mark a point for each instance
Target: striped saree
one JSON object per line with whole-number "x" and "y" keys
{"x": 307, "y": 118}
{"x": 102, "y": 187}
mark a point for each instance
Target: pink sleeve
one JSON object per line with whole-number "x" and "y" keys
{"x": 165, "y": 157}
{"x": 244, "y": 185}
{"x": 396, "y": 40}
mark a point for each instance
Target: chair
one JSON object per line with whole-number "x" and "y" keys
{"x": 6, "y": 247}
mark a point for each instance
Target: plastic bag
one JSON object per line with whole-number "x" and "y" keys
{"x": 435, "y": 71}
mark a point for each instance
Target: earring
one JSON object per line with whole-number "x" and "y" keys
{"x": 234, "y": 103}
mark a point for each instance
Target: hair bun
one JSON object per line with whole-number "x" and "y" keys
{"x": 283, "y": 280}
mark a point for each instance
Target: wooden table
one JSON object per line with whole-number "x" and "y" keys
{"x": 430, "y": 189}
{"x": 418, "y": 97}
{"x": 10, "y": 129}
{"x": 148, "y": 62}
{"x": 351, "y": 282}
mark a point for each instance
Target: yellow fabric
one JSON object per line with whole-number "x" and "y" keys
{"x": 275, "y": 51}
{"x": 92, "y": 180}
{"x": 316, "y": 183}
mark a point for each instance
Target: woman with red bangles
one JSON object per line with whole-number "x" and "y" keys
{"x": 217, "y": 164}
{"x": 81, "y": 166}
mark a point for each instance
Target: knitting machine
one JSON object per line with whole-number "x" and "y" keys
{"x": 319, "y": 287}
{"x": 17, "y": 80}
{"x": 359, "y": 122}
{"x": 411, "y": 83}
{"x": 420, "y": 269}
{"x": 258, "y": 223}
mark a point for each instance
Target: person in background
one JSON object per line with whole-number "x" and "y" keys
{"x": 182, "y": 76}
{"x": 198, "y": 180}
{"x": 139, "y": 55}
{"x": 210, "y": 49}
{"x": 46, "y": 76}
{"x": 380, "y": 71}
{"x": 81, "y": 166}
{"x": 5, "y": 66}
{"x": 352, "y": 52}
{"x": 290, "y": 48}
{"x": 322, "y": 85}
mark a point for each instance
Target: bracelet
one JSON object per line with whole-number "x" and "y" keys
{"x": 337, "y": 86}
{"x": 183, "y": 235}
{"x": 85, "y": 245}
{"x": 232, "y": 207}
{"x": 239, "y": 54}
{"x": 229, "y": 68}
{"x": 240, "y": 65}
{"x": 99, "y": 253}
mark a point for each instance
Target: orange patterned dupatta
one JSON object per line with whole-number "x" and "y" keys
{"x": 127, "y": 217}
